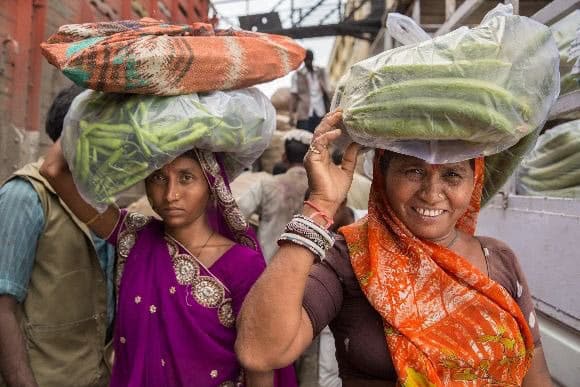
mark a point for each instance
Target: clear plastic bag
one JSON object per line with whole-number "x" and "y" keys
{"x": 565, "y": 33}
{"x": 471, "y": 92}
{"x": 405, "y": 30}
{"x": 113, "y": 141}
{"x": 553, "y": 167}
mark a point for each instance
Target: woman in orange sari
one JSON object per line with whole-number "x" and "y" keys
{"x": 411, "y": 295}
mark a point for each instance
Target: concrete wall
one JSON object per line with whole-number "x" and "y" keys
{"x": 28, "y": 83}
{"x": 348, "y": 50}
{"x": 543, "y": 232}
{"x": 562, "y": 349}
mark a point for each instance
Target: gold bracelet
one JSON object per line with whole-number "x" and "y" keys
{"x": 93, "y": 219}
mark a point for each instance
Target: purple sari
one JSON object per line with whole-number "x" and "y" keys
{"x": 175, "y": 324}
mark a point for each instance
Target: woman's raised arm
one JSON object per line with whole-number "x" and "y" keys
{"x": 273, "y": 327}
{"x": 55, "y": 169}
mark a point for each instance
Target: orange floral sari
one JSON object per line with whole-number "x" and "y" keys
{"x": 446, "y": 323}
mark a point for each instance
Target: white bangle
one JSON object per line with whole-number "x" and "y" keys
{"x": 304, "y": 242}
{"x": 313, "y": 225}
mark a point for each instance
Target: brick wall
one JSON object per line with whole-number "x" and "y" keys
{"x": 28, "y": 83}
{"x": 8, "y": 48}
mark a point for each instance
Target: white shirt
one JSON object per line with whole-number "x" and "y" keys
{"x": 316, "y": 97}
{"x": 327, "y": 364}
{"x": 276, "y": 199}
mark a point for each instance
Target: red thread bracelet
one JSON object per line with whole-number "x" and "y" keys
{"x": 327, "y": 219}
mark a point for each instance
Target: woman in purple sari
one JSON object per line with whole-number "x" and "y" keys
{"x": 180, "y": 281}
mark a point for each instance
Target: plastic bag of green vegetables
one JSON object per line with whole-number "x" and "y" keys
{"x": 553, "y": 167}
{"x": 564, "y": 31}
{"x": 470, "y": 92}
{"x": 113, "y": 141}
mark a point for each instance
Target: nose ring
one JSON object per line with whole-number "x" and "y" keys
{"x": 440, "y": 195}
{"x": 176, "y": 196}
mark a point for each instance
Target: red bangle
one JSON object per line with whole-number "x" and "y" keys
{"x": 323, "y": 214}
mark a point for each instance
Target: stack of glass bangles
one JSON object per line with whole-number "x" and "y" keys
{"x": 303, "y": 231}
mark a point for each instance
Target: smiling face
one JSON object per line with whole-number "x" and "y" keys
{"x": 428, "y": 198}
{"x": 178, "y": 192}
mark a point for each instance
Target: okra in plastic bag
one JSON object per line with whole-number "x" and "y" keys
{"x": 113, "y": 141}
{"x": 468, "y": 93}
{"x": 553, "y": 167}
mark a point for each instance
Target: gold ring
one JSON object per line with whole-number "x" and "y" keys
{"x": 313, "y": 149}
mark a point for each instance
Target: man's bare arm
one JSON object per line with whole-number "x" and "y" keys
{"x": 14, "y": 364}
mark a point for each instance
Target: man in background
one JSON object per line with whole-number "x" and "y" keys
{"x": 276, "y": 199}
{"x": 56, "y": 289}
{"x": 309, "y": 100}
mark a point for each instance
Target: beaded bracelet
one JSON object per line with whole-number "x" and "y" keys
{"x": 303, "y": 231}
{"x": 308, "y": 222}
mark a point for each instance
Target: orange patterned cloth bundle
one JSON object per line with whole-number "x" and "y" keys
{"x": 148, "y": 56}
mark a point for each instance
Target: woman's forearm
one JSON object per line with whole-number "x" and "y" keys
{"x": 62, "y": 182}
{"x": 273, "y": 328}
{"x": 271, "y": 319}
{"x": 55, "y": 170}
{"x": 259, "y": 379}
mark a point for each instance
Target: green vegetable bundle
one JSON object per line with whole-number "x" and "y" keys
{"x": 483, "y": 88}
{"x": 458, "y": 108}
{"x": 564, "y": 31}
{"x": 553, "y": 167}
{"x": 113, "y": 141}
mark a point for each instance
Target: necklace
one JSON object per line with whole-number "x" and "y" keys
{"x": 453, "y": 240}
{"x": 197, "y": 259}
{"x": 205, "y": 244}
